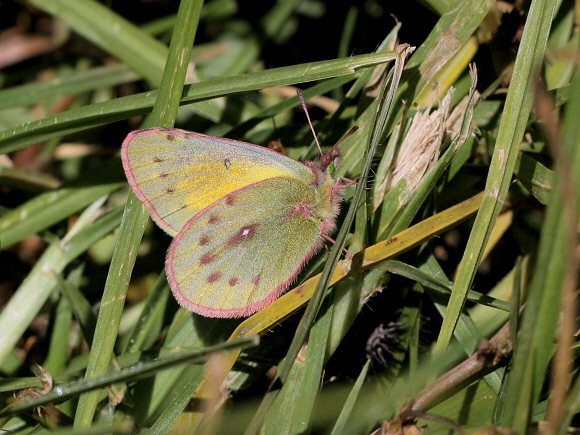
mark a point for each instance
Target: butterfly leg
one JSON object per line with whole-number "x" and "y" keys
{"x": 330, "y": 239}
{"x": 341, "y": 184}
{"x": 348, "y": 181}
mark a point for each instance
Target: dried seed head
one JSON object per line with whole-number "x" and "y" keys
{"x": 419, "y": 150}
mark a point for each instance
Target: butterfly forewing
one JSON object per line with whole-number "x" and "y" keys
{"x": 177, "y": 173}
{"x": 237, "y": 255}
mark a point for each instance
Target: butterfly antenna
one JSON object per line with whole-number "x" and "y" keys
{"x": 309, "y": 122}
{"x": 351, "y": 131}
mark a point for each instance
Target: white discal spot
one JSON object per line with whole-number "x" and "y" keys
{"x": 245, "y": 232}
{"x": 493, "y": 192}
{"x": 23, "y": 214}
{"x": 227, "y": 163}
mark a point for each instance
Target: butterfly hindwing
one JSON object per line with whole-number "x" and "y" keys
{"x": 241, "y": 252}
{"x": 177, "y": 173}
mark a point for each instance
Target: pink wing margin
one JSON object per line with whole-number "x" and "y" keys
{"x": 133, "y": 182}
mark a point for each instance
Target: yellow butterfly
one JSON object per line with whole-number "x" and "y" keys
{"x": 245, "y": 219}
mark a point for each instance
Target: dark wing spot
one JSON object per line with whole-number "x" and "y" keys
{"x": 157, "y": 160}
{"x": 231, "y": 199}
{"x": 245, "y": 233}
{"x": 170, "y": 137}
{"x": 214, "y": 277}
{"x": 203, "y": 241}
{"x": 233, "y": 281}
{"x": 207, "y": 258}
{"x": 227, "y": 163}
{"x": 256, "y": 279}
{"x": 214, "y": 218}
{"x": 163, "y": 175}
{"x": 170, "y": 190}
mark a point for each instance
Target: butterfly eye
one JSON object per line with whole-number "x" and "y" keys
{"x": 331, "y": 168}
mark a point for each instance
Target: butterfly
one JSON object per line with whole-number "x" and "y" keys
{"x": 245, "y": 219}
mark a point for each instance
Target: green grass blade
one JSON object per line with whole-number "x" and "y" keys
{"x": 441, "y": 285}
{"x": 540, "y": 318}
{"x": 122, "y": 108}
{"x": 291, "y": 411}
{"x": 452, "y": 31}
{"x": 40, "y": 282}
{"x": 141, "y": 369}
{"x": 513, "y": 123}
{"x": 152, "y": 311}
{"x": 350, "y": 402}
{"x": 175, "y": 403}
{"x": 534, "y": 176}
{"x": 27, "y": 180}
{"x": 73, "y": 83}
{"x": 135, "y": 216}
{"x": 99, "y": 24}
{"x": 51, "y": 207}
{"x": 55, "y": 361}
{"x": 80, "y": 307}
